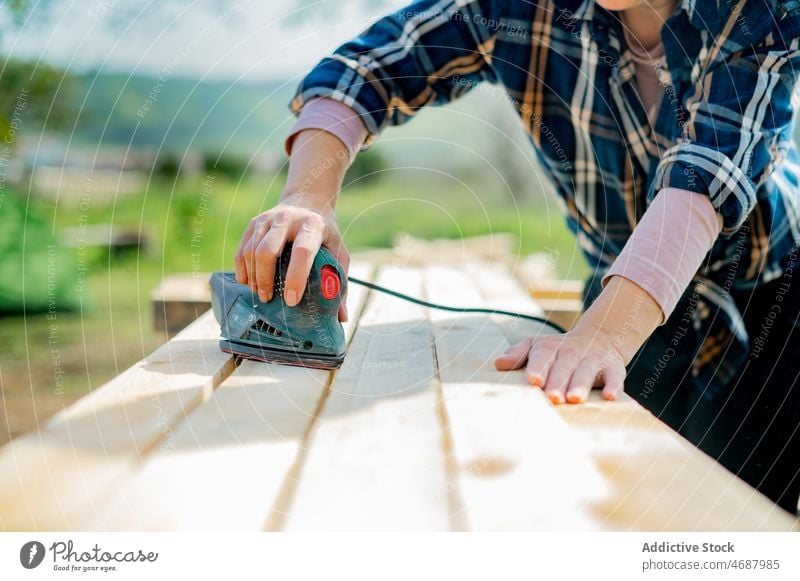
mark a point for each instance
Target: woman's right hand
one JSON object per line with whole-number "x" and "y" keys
{"x": 292, "y": 220}
{"x": 305, "y": 216}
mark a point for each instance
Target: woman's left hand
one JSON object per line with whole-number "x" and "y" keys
{"x": 568, "y": 366}
{"x": 595, "y": 352}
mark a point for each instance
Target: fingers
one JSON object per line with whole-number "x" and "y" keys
{"x": 245, "y": 257}
{"x": 239, "y": 257}
{"x": 569, "y": 366}
{"x": 248, "y": 258}
{"x": 560, "y": 373}
{"x": 264, "y": 240}
{"x": 614, "y": 376}
{"x": 306, "y": 245}
{"x": 540, "y": 360}
{"x": 515, "y": 357}
{"x": 582, "y": 381}
{"x": 265, "y": 261}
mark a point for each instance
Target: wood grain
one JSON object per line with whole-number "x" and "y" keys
{"x": 522, "y": 467}
{"x": 375, "y": 459}
{"x": 417, "y": 431}
{"x": 226, "y": 464}
{"x": 59, "y": 476}
{"x": 657, "y": 480}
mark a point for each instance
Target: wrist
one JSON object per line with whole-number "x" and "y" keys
{"x": 625, "y": 314}
{"x": 321, "y": 203}
{"x": 608, "y": 335}
{"x": 316, "y": 170}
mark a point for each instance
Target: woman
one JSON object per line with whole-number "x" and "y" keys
{"x": 680, "y": 181}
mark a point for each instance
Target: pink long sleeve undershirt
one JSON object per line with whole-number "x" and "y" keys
{"x": 668, "y": 246}
{"x": 334, "y": 117}
{"x": 662, "y": 255}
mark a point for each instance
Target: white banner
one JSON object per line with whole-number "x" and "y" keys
{"x": 400, "y": 556}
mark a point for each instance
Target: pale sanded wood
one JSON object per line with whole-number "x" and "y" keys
{"x": 56, "y": 477}
{"x": 498, "y": 455}
{"x": 226, "y": 464}
{"x": 522, "y": 467}
{"x": 376, "y": 453}
{"x": 499, "y": 290}
{"x": 178, "y": 300}
{"x": 658, "y": 480}
{"x": 557, "y": 289}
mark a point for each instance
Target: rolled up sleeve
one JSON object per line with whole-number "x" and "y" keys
{"x": 430, "y": 52}
{"x": 739, "y": 125}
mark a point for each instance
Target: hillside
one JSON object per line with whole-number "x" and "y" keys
{"x": 178, "y": 114}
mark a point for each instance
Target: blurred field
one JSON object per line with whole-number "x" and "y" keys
{"x": 194, "y": 226}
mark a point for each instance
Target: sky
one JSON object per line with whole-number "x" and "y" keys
{"x": 248, "y": 40}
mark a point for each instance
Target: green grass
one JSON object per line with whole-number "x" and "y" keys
{"x": 195, "y": 225}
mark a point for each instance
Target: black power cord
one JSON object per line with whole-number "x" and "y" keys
{"x": 439, "y": 307}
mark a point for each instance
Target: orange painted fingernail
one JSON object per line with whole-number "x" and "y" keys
{"x": 535, "y": 381}
{"x": 555, "y": 398}
{"x": 574, "y": 398}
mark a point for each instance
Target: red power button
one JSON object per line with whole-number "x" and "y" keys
{"x": 331, "y": 285}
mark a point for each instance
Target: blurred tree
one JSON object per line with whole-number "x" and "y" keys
{"x": 367, "y": 168}
{"x": 36, "y": 272}
{"x": 168, "y": 165}
{"x": 30, "y": 91}
{"x": 231, "y": 166}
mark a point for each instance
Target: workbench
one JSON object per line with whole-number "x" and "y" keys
{"x": 416, "y": 431}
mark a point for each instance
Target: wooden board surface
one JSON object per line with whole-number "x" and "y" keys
{"x": 376, "y": 453}
{"x": 238, "y": 449}
{"x": 56, "y": 477}
{"x": 417, "y": 431}
{"x": 521, "y": 467}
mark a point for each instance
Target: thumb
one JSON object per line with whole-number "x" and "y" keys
{"x": 515, "y": 357}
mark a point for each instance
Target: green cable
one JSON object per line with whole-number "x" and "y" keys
{"x": 439, "y": 307}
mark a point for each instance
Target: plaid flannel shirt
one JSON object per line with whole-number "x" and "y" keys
{"x": 724, "y": 128}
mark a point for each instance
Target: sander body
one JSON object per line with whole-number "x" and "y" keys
{"x": 308, "y": 334}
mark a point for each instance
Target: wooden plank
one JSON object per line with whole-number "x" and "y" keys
{"x": 565, "y": 313}
{"x": 376, "y": 455}
{"x": 178, "y": 300}
{"x": 225, "y": 467}
{"x": 522, "y": 468}
{"x": 557, "y": 289}
{"x": 498, "y": 290}
{"x": 658, "y": 480}
{"x": 56, "y": 477}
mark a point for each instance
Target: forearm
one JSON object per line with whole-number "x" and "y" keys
{"x": 657, "y": 264}
{"x": 317, "y": 167}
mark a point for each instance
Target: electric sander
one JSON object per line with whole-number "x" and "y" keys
{"x": 308, "y": 334}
